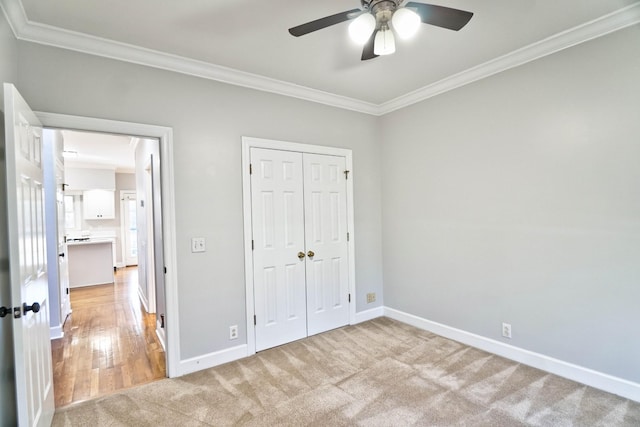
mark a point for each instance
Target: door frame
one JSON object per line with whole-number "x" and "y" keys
{"x": 165, "y": 137}
{"x": 150, "y": 235}
{"x": 251, "y": 142}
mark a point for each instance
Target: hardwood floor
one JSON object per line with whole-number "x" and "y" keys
{"x": 109, "y": 342}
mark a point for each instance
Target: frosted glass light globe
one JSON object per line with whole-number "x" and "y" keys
{"x": 384, "y": 43}
{"x": 361, "y": 28}
{"x": 406, "y": 22}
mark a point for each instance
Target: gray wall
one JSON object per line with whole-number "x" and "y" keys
{"x": 517, "y": 199}
{"x": 9, "y": 74}
{"x": 208, "y": 120}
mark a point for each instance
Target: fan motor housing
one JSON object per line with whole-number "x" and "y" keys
{"x": 381, "y": 9}
{"x": 376, "y": 5}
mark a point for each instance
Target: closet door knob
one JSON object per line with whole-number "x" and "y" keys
{"x": 300, "y": 255}
{"x": 310, "y": 254}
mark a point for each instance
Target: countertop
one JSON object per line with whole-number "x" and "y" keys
{"x": 89, "y": 242}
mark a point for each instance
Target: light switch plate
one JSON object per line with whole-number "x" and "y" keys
{"x": 198, "y": 244}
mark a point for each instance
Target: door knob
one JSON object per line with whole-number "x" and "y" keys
{"x": 35, "y": 307}
{"x": 310, "y": 254}
{"x": 61, "y": 255}
{"x": 300, "y": 255}
{"x": 4, "y": 311}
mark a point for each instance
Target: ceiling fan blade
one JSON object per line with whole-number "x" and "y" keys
{"x": 325, "y": 22}
{"x": 367, "y": 52}
{"x": 440, "y": 16}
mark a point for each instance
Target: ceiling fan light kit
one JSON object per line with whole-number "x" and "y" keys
{"x": 385, "y": 43}
{"x": 406, "y": 22}
{"x": 372, "y": 25}
{"x": 361, "y": 28}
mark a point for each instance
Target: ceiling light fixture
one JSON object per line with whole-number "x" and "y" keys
{"x": 406, "y": 22}
{"x": 361, "y": 28}
{"x": 385, "y": 43}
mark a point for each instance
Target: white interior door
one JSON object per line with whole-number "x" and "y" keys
{"x": 278, "y": 239}
{"x": 63, "y": 256}
{"x": 27, "y": 263}
{"x": 325, "y": 196}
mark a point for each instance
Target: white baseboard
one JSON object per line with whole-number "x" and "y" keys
{"x": 143, "y": 300}
{"x": 212, "y": 359}
{"x": 595, "y": 379}
{"x": 161, "y": 338}
{"x": 55, "y": 332}
{"x": 372, "y": 313}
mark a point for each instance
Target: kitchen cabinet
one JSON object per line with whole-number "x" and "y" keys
{"x": 98, "y": 204}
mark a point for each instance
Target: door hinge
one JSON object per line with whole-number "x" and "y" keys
{"x": 346, "y": 174}
{"x": 67, "y": 291}
{"x": 252, "y": 245}
{"x": 162, "y": 321}
{"x": 250, "y": 169}
{"x": 255, "y": 320}
{"x": 349, "y": 297}
{"x": 165, "y": 270}
{"x": 347, "y": 236}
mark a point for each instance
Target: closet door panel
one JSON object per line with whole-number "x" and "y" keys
{"x": 325, "y": 196}
{"x": 278, "y": 233}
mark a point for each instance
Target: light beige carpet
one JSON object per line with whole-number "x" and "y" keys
{"x": 378, "y": 373}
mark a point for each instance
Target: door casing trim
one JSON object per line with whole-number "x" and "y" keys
{"x": 165, "y": 137}
{"x": 251, "y": 142}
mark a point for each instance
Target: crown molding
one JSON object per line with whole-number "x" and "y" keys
{"x": 604, "y": 25}
{"x": 35, "y": 32}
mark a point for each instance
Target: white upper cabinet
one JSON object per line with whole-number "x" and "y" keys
{"x": 98, "y": 204}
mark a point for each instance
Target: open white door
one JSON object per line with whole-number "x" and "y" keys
{"x": 27, "y": 262}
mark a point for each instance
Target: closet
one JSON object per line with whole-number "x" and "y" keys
{"x": 299, "y": 244}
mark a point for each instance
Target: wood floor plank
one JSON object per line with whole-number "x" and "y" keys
{"x": 109, "y": 342}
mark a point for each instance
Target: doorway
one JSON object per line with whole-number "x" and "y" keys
{"x": 298, "y": 217}
{"x": 166, "y": 201}
{"x": 117, "y": 311}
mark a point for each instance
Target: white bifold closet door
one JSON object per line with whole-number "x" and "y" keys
{"x": 300, "y": 267}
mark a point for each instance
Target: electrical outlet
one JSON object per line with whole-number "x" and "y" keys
{"x": 198, "y": 244}
{"x": 506, "y": 330}
{"x": 233, "y": 332}
{"x": 371, "y": 297}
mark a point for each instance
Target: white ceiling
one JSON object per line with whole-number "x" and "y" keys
{"x": 99, "y": 150}
{"x": 251, "y": 36}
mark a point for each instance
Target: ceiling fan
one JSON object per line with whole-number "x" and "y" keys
{"x": 372, "y": 25}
